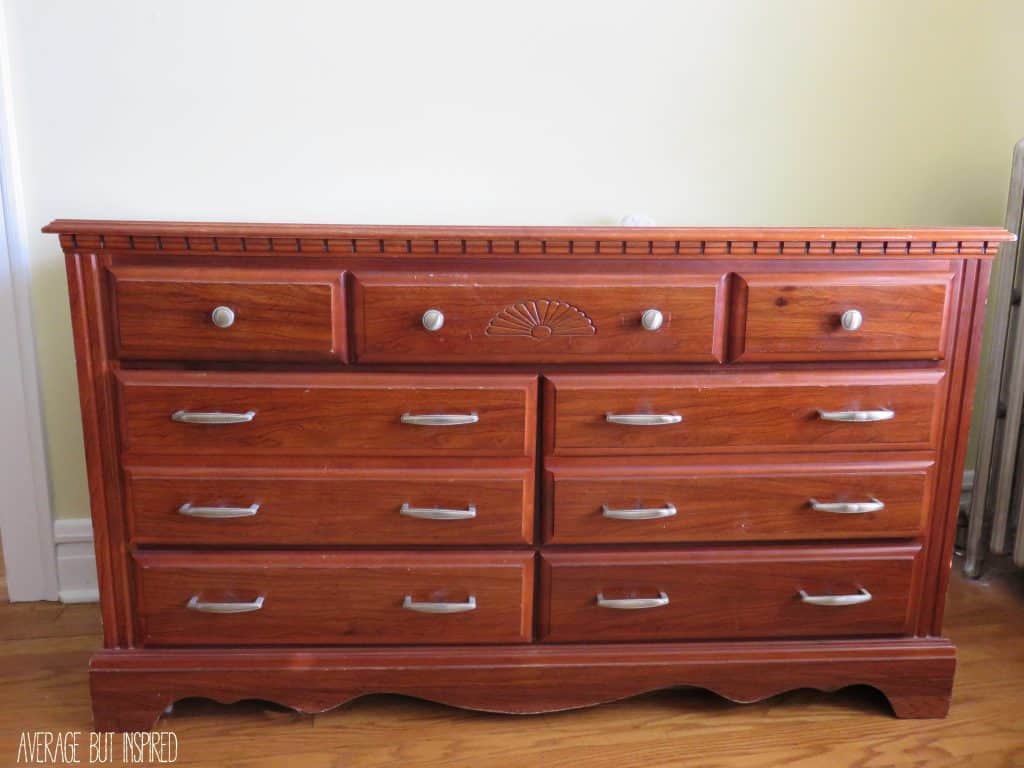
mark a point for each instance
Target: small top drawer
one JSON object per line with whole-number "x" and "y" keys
{"x": 228, "y": 314}
{"x": 818, "y": 316}
{"x": 502, "y": 318}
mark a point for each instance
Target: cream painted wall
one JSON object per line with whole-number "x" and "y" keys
{"x": 554, "y": 112}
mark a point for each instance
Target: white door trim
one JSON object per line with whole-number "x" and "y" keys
{"x": 25, "y": 512}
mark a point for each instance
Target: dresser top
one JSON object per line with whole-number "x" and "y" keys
{"x": 530, "y": 241}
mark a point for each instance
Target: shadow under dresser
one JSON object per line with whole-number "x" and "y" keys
{"x": 521, "y": 469}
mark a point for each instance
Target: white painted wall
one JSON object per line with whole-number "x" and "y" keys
{"x": 554, "y": 112}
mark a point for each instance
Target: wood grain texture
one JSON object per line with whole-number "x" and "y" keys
{"x": 164, "y": 314}
{"x": 773, "y": 411}
{"x": 330, "y": 507}
{"x": 312, "y": 421}
{"x": 944, "y": 518}
{"x": 92, "y": 334}
{"x": 742, "y": 502}
{"x": 797, "y": 316}
{"x": 722, "y": 593}
{"x": 333, "y": 598}
{"x": 517, "y": 317}
{"x": 45, "y": 649}
{"x": 131, "y": 688}
{"x": 317, "y": 414}
{"x": 527, "y": 242}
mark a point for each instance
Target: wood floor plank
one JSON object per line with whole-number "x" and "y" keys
{"x": 44, "y": 651}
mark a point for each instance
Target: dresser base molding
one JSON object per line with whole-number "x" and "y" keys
{"x": 131, "y": 688}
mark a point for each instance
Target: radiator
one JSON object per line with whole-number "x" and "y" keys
{"x": 996, "y": 507}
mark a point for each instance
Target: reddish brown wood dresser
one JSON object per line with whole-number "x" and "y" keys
{"x": 521, "y": 469}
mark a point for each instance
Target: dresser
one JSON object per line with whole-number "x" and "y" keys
{"x": 521, "y": 469}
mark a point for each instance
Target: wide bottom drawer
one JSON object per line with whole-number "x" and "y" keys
{"x": 412, "y": 506}
{"x": 707, "y": 594}
{"x": 336, "y": 598}
{"x": 615, "y": 503}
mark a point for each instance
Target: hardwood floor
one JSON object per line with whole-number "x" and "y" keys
{"x": 44, "y": 649}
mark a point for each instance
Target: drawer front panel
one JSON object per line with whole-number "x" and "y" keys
{"x": 899, "y": 316}
{"x": 568, "y": 318}
{"x": 333, "y": 598}
{"x": 168, "y": 314}
{"x": 773, "y": 411}
{"x": 408, "y": 507}
{"x": 318, "y": 414}
{"x": 610, "y": 505}
{"x": 717, "y": 594}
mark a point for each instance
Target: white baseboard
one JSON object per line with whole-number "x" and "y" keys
{"x": 76, "y": 561}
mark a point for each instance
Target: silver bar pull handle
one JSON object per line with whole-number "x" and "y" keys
{"x": 863, "y": 596}
{"x": 438, "y": 513}
{"x": 195, "y": 604}
{"x": 440, "y": 419}
{"x": 211, "y": 513}
{"x": 212, "y": 417}
{"x": 412, "y": 605}
{"x": 653, "y": 513}
{"x": 848, "y": 507}
{"x": 881, "y": 414}
{"x": 643, "y": 419}
{"x": 632, "y": 603}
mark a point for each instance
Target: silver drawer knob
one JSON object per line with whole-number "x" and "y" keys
{"x": 851, "y": 319}
{"x": 433, "y": 320}
{"x": 652, "y": 319}
{"x": 223, "y": 317}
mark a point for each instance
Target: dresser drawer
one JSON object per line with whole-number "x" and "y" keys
{"x": 410, "y": 506}
{"x": 333, "y": 598}
{"x": 709, "y": 594}
{"x": 617, "y": 503}
{"x": 327, "y": 413}
{"x": 202, "y": 313}
{"x": 829, "y": 316}
{"x": 502, "y": 318}
{"x": 650, "y": 414}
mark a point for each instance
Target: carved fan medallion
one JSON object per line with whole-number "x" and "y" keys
{"x": 540, "y": 319}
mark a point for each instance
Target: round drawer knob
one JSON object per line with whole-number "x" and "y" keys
{"x": 433, "y": 320}
{"x": 851, "y": 319}
{"x": 223, "y": 317}
{"x": 652, "y": 319}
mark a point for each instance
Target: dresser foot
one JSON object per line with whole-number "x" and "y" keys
{"x": 127, "y": 710}
{"x": 907, "y": 700}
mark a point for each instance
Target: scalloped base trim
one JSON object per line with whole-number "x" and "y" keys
{"x": 132, "y": 688}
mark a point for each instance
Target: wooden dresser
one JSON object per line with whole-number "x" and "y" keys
{"x": 521, "y": 469}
